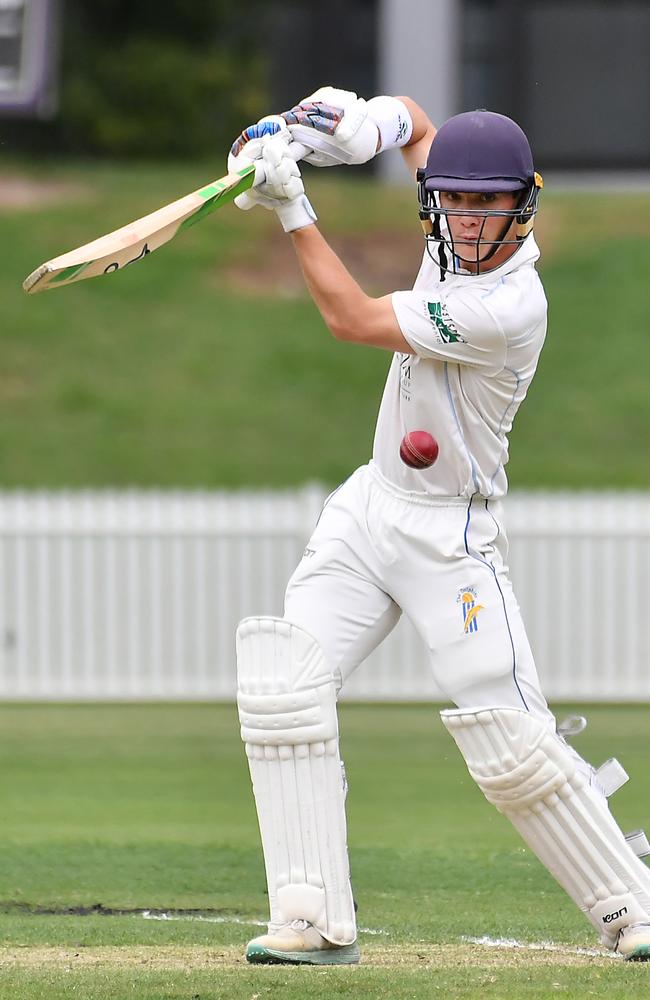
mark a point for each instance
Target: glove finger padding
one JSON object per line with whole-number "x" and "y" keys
{"x": 315, "y": 115}
{"x": 249, "y": 147}
{"x": 250, "y": 142}
{"x": 282, "y": 189}
{"x": 283, "y": 181}
{"x": 283, "y": 186}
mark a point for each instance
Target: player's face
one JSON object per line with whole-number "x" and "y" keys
{"x": 472, "y": 231}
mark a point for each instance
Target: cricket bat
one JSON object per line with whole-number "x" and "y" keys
{"x": 140, "y": 238}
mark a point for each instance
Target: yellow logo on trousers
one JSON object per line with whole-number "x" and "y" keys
{"x": 467, "y": 599}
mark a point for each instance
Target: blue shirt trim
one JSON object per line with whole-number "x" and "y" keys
{"x": 490, "y": 567}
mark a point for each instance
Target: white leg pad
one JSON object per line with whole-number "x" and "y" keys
{"x": 287, "y": 709}
{"x": 544, "y": 788}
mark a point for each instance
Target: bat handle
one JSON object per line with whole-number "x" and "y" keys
{"x": 295, "y": 149}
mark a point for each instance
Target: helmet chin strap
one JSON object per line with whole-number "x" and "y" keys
{"x": 442, "y": 256}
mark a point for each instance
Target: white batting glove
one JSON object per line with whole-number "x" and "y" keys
{"x": 335, "y": 124}
{"x": 248, "y": 147}
{"x": 283, "y": 189}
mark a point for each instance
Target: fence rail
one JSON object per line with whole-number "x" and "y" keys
{"x": 136, "y": 595}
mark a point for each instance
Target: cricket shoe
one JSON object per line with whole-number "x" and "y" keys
{"x": 299, "y": 943}
{"x": 633, "y": 943}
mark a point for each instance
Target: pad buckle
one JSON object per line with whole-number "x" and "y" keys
{"x": 638, "y": 841}
{"x": 611, "y": 776}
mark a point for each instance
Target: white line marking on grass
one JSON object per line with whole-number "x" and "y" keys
{"x": 489, "y": 942}
{"x": 148, "y": 915}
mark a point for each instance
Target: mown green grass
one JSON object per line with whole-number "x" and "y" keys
{"x": 179, "y": 373}
{"x": 324, "y": 984}
{"x": 149, "y": 807}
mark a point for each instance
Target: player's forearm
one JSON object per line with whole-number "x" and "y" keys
{"x": 337, "y": 295}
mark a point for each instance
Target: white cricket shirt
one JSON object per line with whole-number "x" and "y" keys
{"x": 476, "y": 340}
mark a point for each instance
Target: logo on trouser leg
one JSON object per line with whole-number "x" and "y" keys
{"x": 468, "y": 601}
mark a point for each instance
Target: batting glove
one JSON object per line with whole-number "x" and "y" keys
{"x": 247, "y": 148}
{"x": 282, "y": 190}
{"x": 335, "y": 125}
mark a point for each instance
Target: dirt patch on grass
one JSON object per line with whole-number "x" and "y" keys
{"x": 192, "y": 958}
{"x": 187, "y": 957}
{"x": 458, "y": 956}
{"x": 382, "y": 262}
{"x": 20, "y": 193}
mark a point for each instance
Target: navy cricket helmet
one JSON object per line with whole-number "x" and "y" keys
{"x": 484, "y": 153}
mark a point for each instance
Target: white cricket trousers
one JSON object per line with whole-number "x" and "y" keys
{"x": 378, "y": 551}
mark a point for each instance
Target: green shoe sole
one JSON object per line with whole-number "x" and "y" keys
{"x": 640, "y": 954}
{"x": 347, "y": 954}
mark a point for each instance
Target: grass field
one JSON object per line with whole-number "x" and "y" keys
{"x": 208, "y": 366}
{"x": 112, "y": 811}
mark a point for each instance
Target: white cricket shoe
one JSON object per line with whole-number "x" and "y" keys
{"x": 299, "y": 943}
{"x": 633, "y": 943}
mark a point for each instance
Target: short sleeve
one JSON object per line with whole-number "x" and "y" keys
{"x": 459, "y": 328}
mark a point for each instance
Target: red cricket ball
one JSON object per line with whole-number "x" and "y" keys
{"x": 419, "y": 449}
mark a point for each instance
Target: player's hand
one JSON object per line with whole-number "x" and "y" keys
{"x": 335, "y": 124}
{"x": 282, "y": 189}
{"x": 248, "y": 147}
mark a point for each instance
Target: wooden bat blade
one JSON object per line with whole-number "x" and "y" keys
{"x": 140, "y": 238}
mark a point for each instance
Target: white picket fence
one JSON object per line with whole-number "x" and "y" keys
{"x": 136, "y": 595}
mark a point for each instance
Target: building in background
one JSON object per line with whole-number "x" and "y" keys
{"x": 574, "y": 73}
{"x": 29, "y": 32}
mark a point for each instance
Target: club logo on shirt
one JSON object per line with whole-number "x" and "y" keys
{"x": 470, "y": 608}
{"x": 443, "y": 323}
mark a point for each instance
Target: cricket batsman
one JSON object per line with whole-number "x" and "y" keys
{"x": 422, "y": 538}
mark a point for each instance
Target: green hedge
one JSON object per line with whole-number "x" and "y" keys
{"x": 151, "y": 79}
